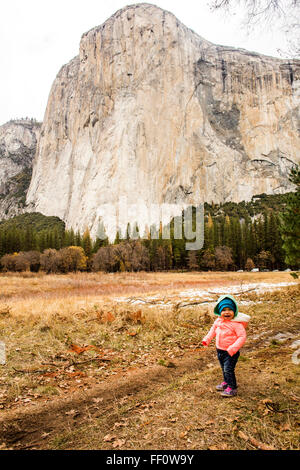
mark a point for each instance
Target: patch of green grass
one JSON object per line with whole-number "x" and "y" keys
{"x": 60, "y": 442}
{"x": 244, "y": 358}
{"x": 46, "y": 390}
{"x": 161, "y": 362}
{"x": 274, "y": 343}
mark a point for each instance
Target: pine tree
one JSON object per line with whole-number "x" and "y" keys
{"x": 128, "y": 232}
{"x": 87, "y": 243}
{"x": 209, "y": 234}
{"x": 78, "y": 240}
{"x": 266, "y": 239}
{"x": 226, "y": 240}
{"x": 277, "y": 250}
{"x": 98, "y": 243}
{"x": 41, "y": 241}
{"x": 117, "y": 237}
{"x": 56, "y": 239}
{"x": 216, "y": 233}
{"x": 260, "y": 235}
{"x": 290, "y": 223}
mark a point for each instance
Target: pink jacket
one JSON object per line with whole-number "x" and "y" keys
{"x": 230, "y": 335}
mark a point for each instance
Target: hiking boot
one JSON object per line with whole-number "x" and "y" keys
{"x": 229, "y": 392}
{"x": 221, "y": 387}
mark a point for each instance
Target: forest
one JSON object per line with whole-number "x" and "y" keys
{"x": 237, "y": 236}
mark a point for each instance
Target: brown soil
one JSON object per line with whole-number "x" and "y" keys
{"x": 27, "y": 429}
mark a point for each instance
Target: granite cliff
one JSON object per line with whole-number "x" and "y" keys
{"x": 18, "y": 140}
{"x": 153, "y": 112}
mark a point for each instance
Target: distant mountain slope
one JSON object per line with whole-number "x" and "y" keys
{"x": 18, "y": 140}
{"x": 38, "y": 222}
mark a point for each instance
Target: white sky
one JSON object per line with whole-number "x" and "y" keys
{"x": 38, "y": 37}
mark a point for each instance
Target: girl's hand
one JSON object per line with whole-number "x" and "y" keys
{"x": 204, "y": 343}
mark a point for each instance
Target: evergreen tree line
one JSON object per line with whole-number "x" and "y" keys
{"x": 230, "y": 243}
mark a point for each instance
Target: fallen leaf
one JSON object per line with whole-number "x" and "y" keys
{"x": 295, "y": 398}
{"x": 77, "y": 349}
{"x": 50, "y": 374}
{"x": 107, "y": 318}
{"x": 118, "y": 443}
{"x": 72, "y": 413}
{"x": 118, "y": 425}
{"x": 109, "y": 437}
{"x": 255, "y": 442}
{"x": 266, "y": 400}
{"x": 97, "y": 400}
{"x": 243, "y": 435}
{"x": 76, "y": 374}
{"x": 136, "y": 316}
{"x": 285, "y": 427}
{"x": 260, "y": 445}
{"x": 232, "y": 420}
{"x": 147, "y": 422}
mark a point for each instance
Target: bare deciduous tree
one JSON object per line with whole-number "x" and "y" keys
{"x": 50, "y": 261}
{"x": 284, "y": 14}
{"x": 104, "y": 259}
{"x": 193, "y": 260}
{"x": 208, "y": 260}
{"x": 15, "y": 262}
{"x": 223, "y": 257}
{"x": 33, "y": 258}
{"x": 249, "y": 264}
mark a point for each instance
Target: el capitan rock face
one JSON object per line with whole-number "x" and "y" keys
{"x": 151, "y": 111}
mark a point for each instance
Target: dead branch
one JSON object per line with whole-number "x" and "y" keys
{"x": 153, "y": 302}
{"x": 73, "y": 363}
{"x": 182, "y": 305}
{"x": 28, "y": 371}
{"x": 244, "y": 291}
{"x": 275, "y": 408}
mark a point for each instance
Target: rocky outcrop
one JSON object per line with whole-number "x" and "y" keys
{"x": 18, "y": 140}
{"x": 152, "y": 112}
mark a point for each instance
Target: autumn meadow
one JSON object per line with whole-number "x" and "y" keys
{"x": 114, "y": 361}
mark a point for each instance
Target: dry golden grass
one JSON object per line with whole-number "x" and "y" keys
{"x": 188, "y": 413}
{"x": 26, "y": 285}
{"x": 41, "y": 317}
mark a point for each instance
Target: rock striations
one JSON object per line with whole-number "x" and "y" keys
{"x": 152, "y": 112}
{"x": 18, "y": 140}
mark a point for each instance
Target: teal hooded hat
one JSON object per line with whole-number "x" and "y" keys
{"x": 216, "y": 309}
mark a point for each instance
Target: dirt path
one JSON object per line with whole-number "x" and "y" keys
{"x": 28, "y": 429}
{"x": 35, "y": 428}
{"x": 266, "y": 369}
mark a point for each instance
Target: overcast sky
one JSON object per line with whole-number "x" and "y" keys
{"x": 38, "y": 37}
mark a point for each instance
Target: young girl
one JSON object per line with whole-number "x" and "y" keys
{"x": 230, "y": 334}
